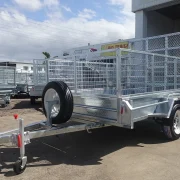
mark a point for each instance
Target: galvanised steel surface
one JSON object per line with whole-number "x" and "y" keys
{"x": 103, "y": 87}
{"x": 167, "y": 44}
{"x": 128, "y": 87}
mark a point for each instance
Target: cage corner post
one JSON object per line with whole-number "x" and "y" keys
{"x": 118, "y": 84}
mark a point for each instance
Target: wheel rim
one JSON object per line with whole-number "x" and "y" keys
{"x": 52, "y": 95}
{"x": 176, "y": 124}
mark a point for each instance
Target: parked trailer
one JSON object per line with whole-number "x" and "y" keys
{"x": 167, "y": 44}
{"x": 133, "y": 87}
{"x": 7, "y": 84}
{"x": 24, "y": 82}
{"x": 6, "y": 91}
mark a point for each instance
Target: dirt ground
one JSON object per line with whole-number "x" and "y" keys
{"x": 20, "y": 106}
{"x": 106, "y": 154}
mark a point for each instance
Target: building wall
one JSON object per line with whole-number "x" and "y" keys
{"x": 146, "y": 4}
{"x": 177, "y": 25}
{"x": 151, "y": 23}
{"x": 157, "y": 24}
{"x": 141, "y": 24}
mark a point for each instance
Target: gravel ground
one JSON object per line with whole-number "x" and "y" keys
{"x": 107, "y": 154}
{"x": 21, "y": 107}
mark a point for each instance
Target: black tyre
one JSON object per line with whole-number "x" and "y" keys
{"x": 171, "y": 126}
{"x": 60, "y": 92}
{"x": 17, "y": 167}
{"x": 33, "y": 100}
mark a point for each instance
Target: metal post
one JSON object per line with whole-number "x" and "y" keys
{"x": 26, "y": 78}
{"x": 107, "y": 80}
{"x": 81, "y": 74}
{"x": 34, "y": 73}
{"x": 165, "y": 65}
{"x": 75, "y": 75}
{"x": 165, "y": 74}
{"x": 22, "y": 147}
{"x": 146, "y": 73}
{"x": 166, "y": 45}
{"x": 146, "y": 67}
{"x": 129, "y": 67}
{"x": 118, "y": 84}
{"x": 175, "y": 73}
{"x": 118, "y": 72}
{"x": 47, "y": 70}
{"x": 14, "y": 76}
{"x": 146, "y": 45}
{"x": 3, "y": 77}
{"x": 49, "y": 105}
{"x": 152, "y": 59}
{"x": 21, "y": 129}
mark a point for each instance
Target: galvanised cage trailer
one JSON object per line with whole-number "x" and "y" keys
{"x": 7, "y": 84}
{"x": 13, "y": 82}
{"x": 9, "y": 76}
{"x": 24, "y": 82}
{"x": 167, "y": 44}
{"x": 130, "y": 87}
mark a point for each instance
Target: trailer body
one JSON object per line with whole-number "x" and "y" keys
{"x": 129, "y": 87}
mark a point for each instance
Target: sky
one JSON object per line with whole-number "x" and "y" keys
{"x": 29, "y": 27}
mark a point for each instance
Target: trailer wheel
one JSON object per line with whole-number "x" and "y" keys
{"x": 171, "y": 126}
{"x": 60, "y": 92}
{"x": 17, "y": 167}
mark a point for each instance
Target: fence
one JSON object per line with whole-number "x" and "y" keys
{"x": 168, "y": 44}
{"x": 129, "y": 72}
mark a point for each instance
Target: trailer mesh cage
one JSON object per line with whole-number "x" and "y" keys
{"x": 167, "y": 44}
{"x": 7, "y": 75}
{"x": 128, "y": 72}
{"x": 122, "y": 89}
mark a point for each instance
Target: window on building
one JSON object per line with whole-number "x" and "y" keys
{"x": 25, "y": 68}
{"x": 31, "y": 68}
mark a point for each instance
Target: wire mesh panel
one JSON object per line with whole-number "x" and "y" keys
{"x": 132, "y": 73}
{"x": 39, "y": 71}
{"x": 174, "y": 52}
{"x": 62, "y": 70}
{"x": 96, "y": 78}
{"x": 7, "y": 75}
{"x": 168, "y": 44}
{"x": 143, "y": 72}
{"x": 138, "y": 45}
{"x": 24, "y": 78}
{"x": 156, "y": 43}
{"x": 123, "y": 72}
{"x": 174, "y": 40}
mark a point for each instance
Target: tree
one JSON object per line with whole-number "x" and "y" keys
{"x": 47, "y": 55}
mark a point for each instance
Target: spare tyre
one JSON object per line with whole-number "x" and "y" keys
{"x": 58, "y": 91}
